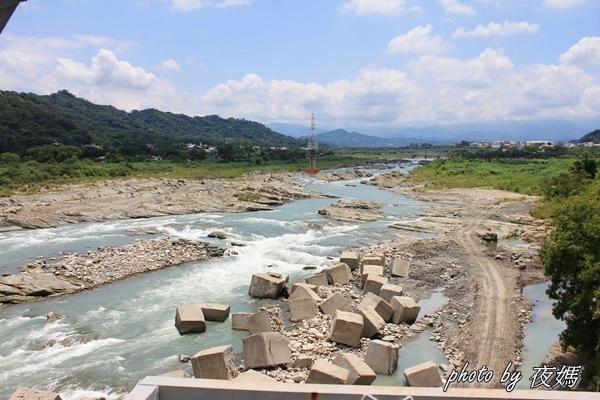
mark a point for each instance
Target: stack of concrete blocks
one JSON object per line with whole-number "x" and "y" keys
{"x": 346, "y": 328}
{"x": 423, "y": 375}
{"x": 266, "y": 350}
{"x": 190, "y": 319}
{"x": 400, "y": 268}
{"x": 319, "y": 279}
{"x": 239, "y": 321}
{"x": 325, "y": 372}
{"x": 24, "y": 393}
{"x": 360, "y": 372}
{"x": 267, "y": 286}
{"x": 215, "y": 312}
{"x": 214, "y": 363}
{"x": 303, "y": 303}
{"x": 338, "y": 274}
{"x": 382, "y": 307}
{"x": 390, "y": 290}
{"x": 254, "y": 376}
{"x": 259, "y": 322}
{"x": 333, "y": 303}
{"x": 405, "y": 310}
{"x": 351, "y": 259}
{"x": 382, "y": 357}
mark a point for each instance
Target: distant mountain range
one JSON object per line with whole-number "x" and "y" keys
{"x": 554, "y": 130}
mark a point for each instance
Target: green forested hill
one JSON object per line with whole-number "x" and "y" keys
{"x": 593, "y": 136}
{"x": 28, "y": 120}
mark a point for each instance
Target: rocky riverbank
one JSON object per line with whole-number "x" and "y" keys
{"x": 76, "y": 272}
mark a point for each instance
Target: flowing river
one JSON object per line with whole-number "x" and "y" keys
{"x": 111, "y": 337}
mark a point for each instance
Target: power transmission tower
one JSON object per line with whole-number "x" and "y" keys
{"x": 312, "y": 151}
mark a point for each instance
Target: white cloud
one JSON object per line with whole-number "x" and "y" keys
{"x": 419, "y": 41}
{"x": 563, "y": 4}
{"x": 187, "y": 5}
{"x": 365, "y": 7}
{"x": 497, "y": 29}
{"x": 585, "y": 53}
{"x": 170, "y": 65}
{"x": 456, "y": 7}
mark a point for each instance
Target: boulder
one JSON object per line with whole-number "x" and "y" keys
{"x": 259, "y": 322}
{"x": 215, "y": 312}
{"x": 423, "y": 375}
{"x": 215, "y": 363}
{"x": 400, "y": 267}
{"x": 265, "y": 350}
{"x": 346, "y": 328}
{"x": 304, "y": 291}
{"x": 254, "y": 376}
{"x": 351, "y": 259}
{"x": 239, "y": 321}
{"x": 390, "y": 290}
{"x": 319, "y": 279}
{"x": 325, "y": 372}
{"x": 302, "y": 308}
{"x": 382, "y": 357}
{"x": 267, "y": 286}
{"x": 382, "y": 307}
{"x": 405, "y": 310}
{"x": 190, "y": 319}
{"x": 360, "y": 372}
{"x": 338, "y": 274}
{"x": 370, "y": 269}
{"x": 52, "y": 316}
{"x": 374, "y": 283}
{"x": 372, "y": 321}
{"x": 23, "y": 393}
{"x": 38, "y": 284}
{"x": 333, "y": 303}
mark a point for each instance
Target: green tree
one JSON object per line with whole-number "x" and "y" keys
{"x": 571, "y": 257}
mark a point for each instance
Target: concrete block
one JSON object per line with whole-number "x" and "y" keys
{"x": 254, "y": 376}
{"x": 319, "y": 279}
{"x": 302, "y": 308}
{"x": 338, "y": 274}
{"x": 289, "y": 287}
{"x": 214, "y": 363}
{"x": 334, "y": 303}
{"x": 346, "y": 328}
{"x": 360, "y": 372}
{"x": 372, "y": 321}
{"x": 325, "y": 372}
{"x": 265, "y": 350}
{"x": 190, "y": 319}
{"x": 382, "y": 307}
{"x": 24, "y": 393}
{"x": 423, "y": 375}
{"x": 303, "y": 361}
{"x": 382, "y": 357}
{"x": 267, "y": 286}
{"x": 351, "y": 259}
{"x": 304, "y": 291}
{"x": 371, "y": 259}
{"x": 239, "y": 321}
{"x": 390, "y": 290}
{"x": 370, "y": 269}
{"x": 405, "y": 310}
{"x": 178, "y": 373}
{"x": 259, "y": 322}
{"x": 374, "y": 283}
{"x": 215, "y": 312}
{"x": 400, "y": 267}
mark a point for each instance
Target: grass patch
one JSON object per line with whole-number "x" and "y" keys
{"x": 248, "y": 196}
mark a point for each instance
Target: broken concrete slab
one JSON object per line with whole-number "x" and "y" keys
{"x": 325, "y": 372}
{"x": 400, "y": 267}
{"x": 405, "y": 310}
{"x": 333, "y": 303}
{"x": 351, "y": 259}
{"x": 215, "y": 363}
{"x": 264, "y": 350}
{"x": 346, "y": 328}
{"x": 360, "y": 372}
{"x": 382, "y": 357}
{"x": 423, "y": 375}
{"x": 215, "y": 312}
{"x": 189, "y": 319}
{"x": 267, "y": 285}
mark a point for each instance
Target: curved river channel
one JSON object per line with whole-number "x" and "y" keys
{"x": 117, "y": 334}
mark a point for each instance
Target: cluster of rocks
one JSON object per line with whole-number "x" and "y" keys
{"x": 346, "y": 321}
{"x": 75, "y": 272}
{"x": 356, "y": 211}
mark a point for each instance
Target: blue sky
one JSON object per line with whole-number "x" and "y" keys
{"x": 354, "y": 63}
